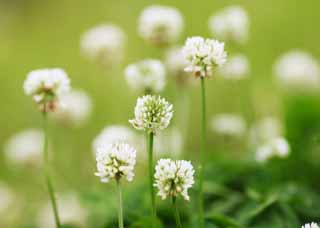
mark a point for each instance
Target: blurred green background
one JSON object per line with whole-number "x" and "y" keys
{"x": 39, "y": 34}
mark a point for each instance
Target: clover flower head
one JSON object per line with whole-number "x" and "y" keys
{"x": 152, "y": 113}
{"x": 298, "y": 70}
{"x": 277, "y": 147}
{"x": 104, "y": 44}
{"x": 236, "y": 68}
{"x": 229, "y": 124}
{"x": 115, "y": 161}
{"x": 160, "y": 25}
{"x": 146, "y": 75}
{"x": 25, "y": 147}
{"x": 46, "y": 85}
{"x": 310, "y": 225}
{"x": 73, "y": 108}
{"x": 231, "y": 23}
{"x": 203, "y": 55}
{"x": 173, "y": 178}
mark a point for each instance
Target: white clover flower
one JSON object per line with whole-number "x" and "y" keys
{"x": 237, "y": 67}
{"x": 46, "y": 85}
{"x": 152, "y": 113}
{"x": 104, "y": 44}
{"x": 277, "y": 147}
{"x": 228, "y": 124}
{"x": 115, "y": 161}
{"x": 6, "y": 198}
{"x": 203, "y": 55}
{"x": 25, "y": 147}
{"x": 173, "y": 178}
{"x": 231, "y": 23}
{"x": 160, "y": 25}
{"x": 310, "y": 225}
{"x": 298, "y": 70}
{"x": 169, "y": 143}
{"x": 146, "y": 75}
{"x": 71, "y": 212}
{"x": 74, "y": 108}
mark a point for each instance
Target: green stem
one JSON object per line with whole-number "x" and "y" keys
{"x": 120, "y": 209}
{"x": 150, "y": 158}
{"x": 202, "y": 151}
{"x": 176, "y": 212}
{"x": 47, "y": 171}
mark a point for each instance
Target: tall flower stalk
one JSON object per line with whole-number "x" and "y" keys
{"x": 176, "y": 212}
{"x": 120, "y": 209}
{"x": 150, "y": 164}
{"x": 203, "y": 55}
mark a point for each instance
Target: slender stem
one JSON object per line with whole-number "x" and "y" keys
{"x": 47, "y": 171}
{"x": 176, "y": 212}
{"x": 202, "y": 151}
{"x": 120, "y": 209}
{"x": 153, "y": 201}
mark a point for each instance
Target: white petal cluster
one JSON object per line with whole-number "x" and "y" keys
{"x": 228, "y": 124}
{"x": 74, "y": 108}
{"x": 236, "y": 68}
{"x": 152, "y": 113}
{"x": 173, "y": 178}
{"x": 298, "y": 70}
{"x": 203, "y": 55}
{"x": 115, "y": 134}
{"x": 25, "y": 147}
{"x": 46, "y": 85}
{"x": 277, "y": 147}
{"x": 115, "y": 161}
{"x": 71, "y": 212}
{"x": 146, "y": 75}
{"x": 231, "y": 23}
{"x": 310, "y": 225}
{"x": 104, "y": 44}
{"x": 160, "y": 24}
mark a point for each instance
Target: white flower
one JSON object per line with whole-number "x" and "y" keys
{"x": 152, "y": 113}
{"x": 231, "y": 23}
{"x": 298, "y": 70}
{"x": 310, "y": 225}
{"x": 203, "y": 55}
{"x": 104, "y": 44}
{"x": 74, "y": 108}
{"x": 6, "y": 199}
{"x": 25, "y": 147}
{"x": 236, "y": 68}
{"x": 277, "y": 147}
{"x": 146, "y": 75}
{"x": 114, "y": 161}
{"x": 160, "y": 24}
{"x": 173, "y": 178}
{"x": 228, "y": 124}
{"x": 71, "y": 212}
{"x": 115, "y": 134}
{"x": 169, "y": 142}
{"x": 46, "y": 85}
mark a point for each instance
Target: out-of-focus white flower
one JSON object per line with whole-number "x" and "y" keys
{"x": 173, "y": 178}
{"x": 146, "y": 75}
{"x": 74, "y": 108}
{"x": 152, "y": 113}
{"x": 236, "y": 68}
{"x": 46, "y": 85}
{"x": 264, "y": 130}
{"x": 25, "y": 147}
{"x": 310, "y": 225}
{"x": 277, "y": 147}
{"x": 114, "y": 161}
{"x": 169, "y": 142}
{"x": 71, "y": 212}
{"x": 6, "y": 198}
{"x": 228, "y": 124}
{"x": 176, "y": 63}
{"x": 231, "y": 23}
{"x": 160, "y": 24}
{"x": 298, "y": 70}
{"x": 104, "y": 43}
{"x": 203, "y": 55}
